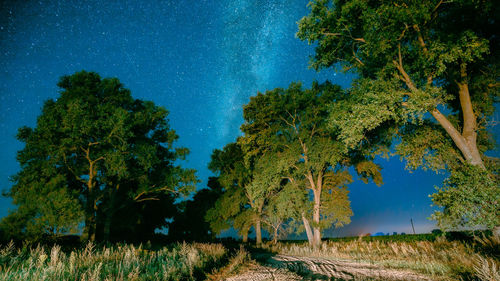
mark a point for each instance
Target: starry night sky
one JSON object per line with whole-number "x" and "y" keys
{"x": 202, "y": 60}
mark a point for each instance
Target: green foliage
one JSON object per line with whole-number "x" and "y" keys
{"x": 295, "y": 155}
{"x": 372, "y": 38}
{"x": 48, "y": 206}
{"x": 414, "y": 58}
{"x": 469, "y": 197}
{"x": 233, "y": 208}
{"x": 335, "y": 204}
{"x": 97, "y": 150}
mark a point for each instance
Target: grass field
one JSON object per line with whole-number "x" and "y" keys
{"x": 177, "y": 262}
{"x": 438, "y": 258}
{"x": 434, "y": 256}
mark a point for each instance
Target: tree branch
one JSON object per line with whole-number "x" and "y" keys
{"x": 399, "y": 65}
{"x": 455, "y": 135}
{"x": 71, "y": 170}
{"x": 147, "y": 199}
{"x": 165, "y": 188}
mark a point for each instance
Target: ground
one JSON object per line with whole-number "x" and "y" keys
{"x": 286, "y": 267}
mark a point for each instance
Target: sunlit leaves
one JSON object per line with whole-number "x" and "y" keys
{"x": 411, "y": 58}
{"x": 469, "y": 197}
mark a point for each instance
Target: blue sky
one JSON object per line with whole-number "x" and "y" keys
{"x": 202, "y": 60}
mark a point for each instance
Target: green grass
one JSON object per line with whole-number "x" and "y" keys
{"x": 122, "y": 262}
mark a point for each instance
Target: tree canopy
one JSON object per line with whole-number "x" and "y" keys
{"x": 286, "y": 137}
{"x": 96, "y": 153}
{"x": 427, "y": 77}
{"x": 235, "y": 207}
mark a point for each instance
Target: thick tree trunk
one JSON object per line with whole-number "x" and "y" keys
{"x": 317, "y": 238}
{"x": 467, "y": 140}
{"x": 89, "y": 229}
{"x": 91, "y": 208}
{"x": 468, "y": 148}
{"x": 90, "y": 218}
{"x": 258, "y": 232}
{"x": 470, "y": 125}
{"x": 309, "y": 233}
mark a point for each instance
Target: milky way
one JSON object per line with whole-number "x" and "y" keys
{"x": 252, "y": 45}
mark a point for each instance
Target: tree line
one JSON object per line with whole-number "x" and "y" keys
{"x": 426, "y": 89}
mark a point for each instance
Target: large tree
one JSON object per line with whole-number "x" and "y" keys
{"x": 98, "y": 145}
{"x": 287, "y": 129}
{"x": 427, "y": 75}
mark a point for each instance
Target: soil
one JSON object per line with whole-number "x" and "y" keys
{"x": 284, "y": 267}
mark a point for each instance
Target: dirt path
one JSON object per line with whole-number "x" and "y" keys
{"x": 258, "y": 272}
{"x": 280, "y": 267}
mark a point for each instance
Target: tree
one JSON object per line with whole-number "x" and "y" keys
{"x": 233, "y": 208}
{"x": 46, "y": 205}
{"x": 289, "y": 127}
{"x": 264, "y": 185}
{"x": 468, "y": 197}
{"x": 189, "y": 223}
{"x": 414, "y": 60}
{"x": 98, "y": 145}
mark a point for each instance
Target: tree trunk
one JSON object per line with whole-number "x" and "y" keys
{"x": 470, "y": 125}
{"x": 110, "y": 211}
{"x": 245, "y": 236}
{"x": 316, "y": 213}
{"x": 258, "y": 233}
{"x": 309, "y": 233}
{"x": 465, "y": 141}
{"x": 275, "y": 235}
{"x": 89, "y": 229}
{"x": 90, "y": 218}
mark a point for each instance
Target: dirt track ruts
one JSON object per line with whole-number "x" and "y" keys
{"x": 280, "y": 267}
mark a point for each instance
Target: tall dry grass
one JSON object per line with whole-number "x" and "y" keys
{"x": 127, "y": 262}
{"x": 440, "y": 259}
